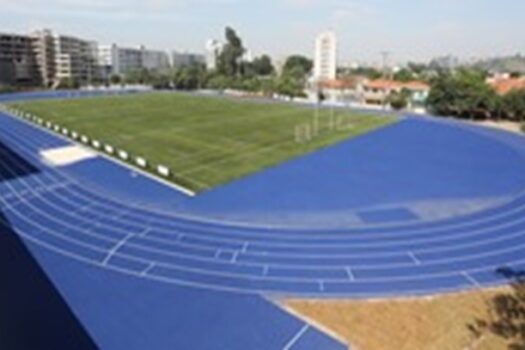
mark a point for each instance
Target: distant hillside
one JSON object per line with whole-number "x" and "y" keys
{"x": 503, "y": 64}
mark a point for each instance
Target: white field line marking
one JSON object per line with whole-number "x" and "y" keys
{"x": 115, "y": 249}
{"x": 296, "y": 337}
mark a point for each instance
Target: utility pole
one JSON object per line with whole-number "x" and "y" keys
{"x": 385, "y": 55}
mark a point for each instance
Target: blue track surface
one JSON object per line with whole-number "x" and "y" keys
{"x": 347, "y": 221}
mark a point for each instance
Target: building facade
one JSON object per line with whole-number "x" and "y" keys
{"x": 75, "y": 60}
{"x": 117, "y": 60}
{"x": 183, "y": 59}
{"x": 213, "y": 50}
{"x": 18, "y": 64}
{"x": 155, "y": 59}
{"x": 325, "y": 60}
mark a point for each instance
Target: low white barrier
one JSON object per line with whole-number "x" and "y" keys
{"x": 84, "y": 139}
{"x": 95, "y": 144}
{"x": 163, "y": 170}
{"x": 141, "y": 162}
{"x": 109, "y": 149}
{"x": 74, "y": 135}
{"x": 123, "y": 155}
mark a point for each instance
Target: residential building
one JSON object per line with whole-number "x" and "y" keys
{"x": 18, "y": 64}
{"x": 75, "y": 60}
{"x": 44, "y": 51}
{"x": 504, "y": 84}
{"x": 377, "y": 92}
{"x": 155, "y": 60}
{"x": 118, "y": 60}
{"x": 325, "y": 60}
{"x": 213, "y": 50}
{"x": 182, "y": 59}
{"x": 63, "y": 59}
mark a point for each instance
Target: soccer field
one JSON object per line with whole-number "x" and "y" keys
{"x": 205, "y": 141}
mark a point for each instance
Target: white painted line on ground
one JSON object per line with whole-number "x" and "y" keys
{"x": 296, "y": 337}
{"x": 470, "y": 279}
{"x": 414, "y": 258}
{"x": 147, "y": 269}
{"x": 115, "y": 249}
{"x": 351, "y": 276}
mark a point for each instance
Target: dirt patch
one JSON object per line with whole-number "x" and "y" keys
{"x": 438, "y": 323}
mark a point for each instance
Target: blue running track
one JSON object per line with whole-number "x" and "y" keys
{"x": 419, "y": 208}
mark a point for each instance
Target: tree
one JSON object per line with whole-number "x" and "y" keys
{"x": 229, "y": 60}
{"x": 263, "y": 65}
{"x": 464, "y": 94}
{"x": 513, "y": 105}
{"x": 506, "y": 313}
{"x": 404, "y": 75}
{"x": 297, "y": 66}
{"x": 399, "y": 100}
{"x": 190, "y": 77}
{"x": 288, "y": 85}
{"x": 115, "y": 79}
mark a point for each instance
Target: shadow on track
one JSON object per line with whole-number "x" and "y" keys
{"x": 33, "y": 315}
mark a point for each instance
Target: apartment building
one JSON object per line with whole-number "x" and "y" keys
{"x": 118, "y": 60}
{"x": 182, "y": 59}
{"x": 155, "y": 59}
{"x": 18, "y": 64}
{"x": 325, "y": 59}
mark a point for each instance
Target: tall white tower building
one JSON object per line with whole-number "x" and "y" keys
{"x": 325, "y": 63}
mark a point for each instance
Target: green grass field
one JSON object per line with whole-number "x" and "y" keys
{"x": 205, "y": 141}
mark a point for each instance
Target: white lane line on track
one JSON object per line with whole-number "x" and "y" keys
{"x": 471, "y": 279}
{"x": 147, "y": 269}
{"x": 321, "y": 286}
{"x": 414, "y": 258}
{"x": 234, "y": 257}
{"x": 116, "y": 248}
{"x": 144, "y": 233}
{"x": 296, "y": 337}
{"x": 351, "y": 276}
{"x": 245, "y": 247}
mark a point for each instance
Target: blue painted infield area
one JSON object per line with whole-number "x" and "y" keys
{"x": 130, "y": 263}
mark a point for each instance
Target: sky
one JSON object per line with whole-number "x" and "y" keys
{"x": 412, "y": 30}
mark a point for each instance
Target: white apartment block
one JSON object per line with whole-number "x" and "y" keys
{"x": 62, "y": 58}
{"x": 117, "y": 60}
{"x": 155, "y": 60}
{"x": 325, "y": 62}
{"x": 213, "y": 50}
{"x": 183, "y": 59}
